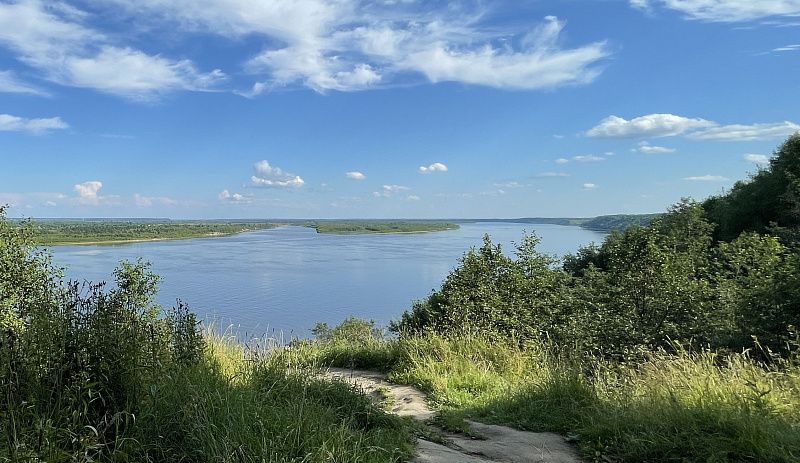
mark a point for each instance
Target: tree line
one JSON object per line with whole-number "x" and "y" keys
{"x": 723, "y": 273}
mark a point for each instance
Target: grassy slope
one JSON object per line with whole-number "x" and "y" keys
{"x": 689, "y": 407}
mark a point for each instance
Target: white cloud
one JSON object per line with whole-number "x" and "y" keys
{"x": 389, "y": 190}
{"x": 707, "y": 178}
{"x": 757, "y": 158}
{"x": 509, "y": 185}
{"x": 562, "y": 161}
{"x": 9, "y": 123}
{"x": 273, "y": 177}
{"x": 588, "y": 158}
{"x": 10, "y": 84}
{"x": 50, "y": 37}
{"x": 551, "y": 175}
{"x": 609, "y": 153}
{"x": 87, "y": 192}
{"x": 133, "y": 74}
{"x": 435, "y": 167}
{"x": 647, "y": 148}
{"x": 651, "y": 125}
{"x": 226, "y": 197}
{"x": 738, "y": 132}
{"x": 356, "y": 175}
{"x": 589, "y": 186}
{"x": 145, "y": 201}
{"x": 788, "y": 48}
{"x": 413, "y": 198}
{"x": 349, "y": 45}
{"x": 539, "y": 64}
{"x": 725, "y": 10}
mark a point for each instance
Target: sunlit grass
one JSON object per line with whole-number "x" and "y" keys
{"x": 684, "y": 406}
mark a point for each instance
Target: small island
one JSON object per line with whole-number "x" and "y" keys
{"x": 381, "y": 227}
{"x": 120, "y": 231}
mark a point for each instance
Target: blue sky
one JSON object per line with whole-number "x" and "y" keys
{"x": 388, "y": 108}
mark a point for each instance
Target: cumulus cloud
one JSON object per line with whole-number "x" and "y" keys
{"x": 757, "y": 158}
{"x": 724, "y": 10}
{"x": 52, "y": 38}
{"x": 651, "y": 125}
{"x": 588, "y": 158}
{"x": 356, "y": 176}
{"x": 562, "y": 161}
{"x": 435, "y": 167}
{"x": 273, "y": 177}
{"x": 707, "y": 178}
{"x": 87, "y": 194}
{"x": 647, "y": 148}
{"x": 9, "y": 123}
{"x": 738, "y": 132}
{"x": 389, "y": 190}
{"x": 226, "y": 196}
{"x": 589, "y": 186}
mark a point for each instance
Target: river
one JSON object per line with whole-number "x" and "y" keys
{"x": 280, "y": 282}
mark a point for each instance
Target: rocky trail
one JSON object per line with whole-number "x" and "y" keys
{"x": 501, "y": 443}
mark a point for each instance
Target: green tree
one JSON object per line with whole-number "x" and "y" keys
{"x": 491, "y": 294}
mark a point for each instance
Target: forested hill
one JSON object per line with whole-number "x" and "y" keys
{"x": 618, "y": 222}
{"x": 605, "y": 223}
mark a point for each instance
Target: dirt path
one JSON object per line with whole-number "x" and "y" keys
{"x": 502, "y": 444}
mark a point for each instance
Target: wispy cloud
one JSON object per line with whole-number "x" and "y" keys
{"x": 724, "y": 10}
{"x": 148, "y": 201}
{"x": 550, "y": 175}
{"x": 52, "y": 38}
{"x": 647, "y": 148}
{"x": 589, "y": 186}
{"x": 562, "y": 161}
{"x": 667, "y": 125}
{"x": 356, "y": 175}
{"x": 588, "y": 158}
{"x": 787, "y": 48}
{"x": 707, "y": 178}
{"x": 651, "y": 125}
{"x": 435, "y": 167}
{"x": 9, "y": 123}
{"x": 738, "y": 132}
{"x": 9, "y": 83}
{"x": 330, "y": 44}
{"x": 273, "y": 177}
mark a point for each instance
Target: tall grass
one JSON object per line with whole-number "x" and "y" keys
{"x": 679, "y": 406}
{"x": 93, "y": 381}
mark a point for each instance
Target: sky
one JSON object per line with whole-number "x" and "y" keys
{"x": 202, "y": 109}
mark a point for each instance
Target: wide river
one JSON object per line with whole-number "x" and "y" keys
{"x": 282, "y": 281}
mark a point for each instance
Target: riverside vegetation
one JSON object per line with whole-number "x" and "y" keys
{"x": 671, "y": 342}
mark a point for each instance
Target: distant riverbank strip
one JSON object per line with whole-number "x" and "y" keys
{"x": 51, "y": 232}
{"x": 121, "y": 231}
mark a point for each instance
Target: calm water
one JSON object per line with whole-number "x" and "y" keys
{"x": 289, "y": 278}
